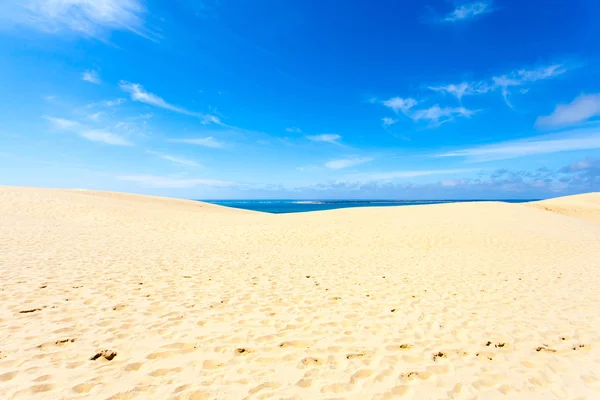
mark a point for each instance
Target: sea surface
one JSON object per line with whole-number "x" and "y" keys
{"x": 294, "y": 206}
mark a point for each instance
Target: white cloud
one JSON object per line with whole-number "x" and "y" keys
{"x": 88, "y": 18}
{"x": 175, "y": 159}
{"x": 114, "y": 103}
{"x": 388, "y": 121}
{"x": 437, "y": 115}
{"x": 468, "y": 11}
{"x": 107, "y": 103}
{"x": 582, "y": 139}
{"x": 104, "y": 137}
{"x": 392, "y": 175}
{"x": 399, "y": 104}
{"x": 95, "y": 135}
{"x": 345, "y": 163}
{"x": 326, "y": 138}
{"x": 463, "y": 89}
{"x": 95, "y": 116}
{"x": 61, "y": 123}
{"x": 138, "y": 93}
{"x": 91, "y": 77}
{"x": 166, "y": 182}
{"x": 579, "y": 110}
{"x": 205, "y": 141}
{"x": 524, "y": 76}
{"x": 293, "y": 130}
{"x": 453, "y": 182}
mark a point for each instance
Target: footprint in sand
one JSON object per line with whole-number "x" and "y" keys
{"x": 106, "y": 354}
{"x": 83, "y": 388}
{"x": 30, "y": 311}
{"x": 133, "y": 366}
{"x": 312, "y": 361}
{"x": 165, "y": 371}
{"x": 8, "y": 376}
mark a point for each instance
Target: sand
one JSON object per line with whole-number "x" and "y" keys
{"x": 584, "y": 206}
{"x": 107, "y": 295}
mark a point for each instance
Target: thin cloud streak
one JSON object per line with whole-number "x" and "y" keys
{"x": 435, "y": 115}
{"x": 326, "y": 138}
{"x": 582, "y": 139}
{"x": 468, "y": 11}
{"x": 104, "y": 137}
{"x": 524, "y": 76}
{"x": 167, "y": 182}
{"x": 87, "y": 18}
{"x": 175, "y": 159}
{"x": 463, "y": 89}
{"x": 346, "y": 163}
{"x": 205, "y": 142}
{"x": 579, "y": 110}
{"x": 394, "y": 175}
{"x": 139, "y": 94}
{"x": 94, "y": 135}
{"x": 61, "y": 123}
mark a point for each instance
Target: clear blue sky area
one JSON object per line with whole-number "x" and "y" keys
{"x": 433, "y": 99}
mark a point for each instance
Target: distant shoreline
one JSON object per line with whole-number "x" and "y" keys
{"x": 299, "y": 206}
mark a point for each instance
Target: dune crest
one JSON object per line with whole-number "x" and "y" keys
{"x": 583, "y": 206}
{"x": 110, "y": 295}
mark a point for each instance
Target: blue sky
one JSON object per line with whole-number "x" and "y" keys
{"x": 308, "y": 99}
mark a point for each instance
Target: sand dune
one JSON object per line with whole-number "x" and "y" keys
{"x": 584, "y": 206}
{"x": 107, "y": 295}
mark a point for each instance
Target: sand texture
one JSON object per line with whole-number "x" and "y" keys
{"x": 106, "y": 295}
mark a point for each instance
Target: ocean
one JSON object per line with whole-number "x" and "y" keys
{"x": 295, "y": 206}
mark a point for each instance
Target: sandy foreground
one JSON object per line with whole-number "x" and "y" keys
{"x": 196, "y": 301}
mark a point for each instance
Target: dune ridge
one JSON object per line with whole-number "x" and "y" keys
{"x": 583, "y": 206}
{"x": 109, "y": 295}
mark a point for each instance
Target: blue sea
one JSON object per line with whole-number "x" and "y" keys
{"x": 295, "y": 206}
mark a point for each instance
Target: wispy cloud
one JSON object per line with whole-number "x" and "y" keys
{"x": 95, "y": 116}
{"x": 91, "y": 77}
{"x": 293, "y": 130}
{"x": 326, "y": 138}
{"x": 167, "y": 182}
{"x": 518, "y": 78}
{"x": 581, "y": 139}
{"x": 88, "y": 18}
{"x": 104, "y": 137}
{"x": 398, "y": 104}
{"x": 95, "y": 135}
{"x": 437, "y": 115}
{"x": 525, "y": 76}
{"x": 138, "y": 93}
{"x": 388, "y": 121}
{"x": 393, "y": 175}
{"x": 463, "y": 89}
{"x": 114, "y": 103}
{"x": 175, "y": 159}
{"x": 468, "y": 11}
{"x": 107, "y": 103}
{"x": 579, "y": 110}
{"x": 61, "y": 123}
{"x": 208, "y": 141}
{"x": 348, "y": 162}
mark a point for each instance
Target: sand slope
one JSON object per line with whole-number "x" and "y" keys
{"x": 584, "y": 206}
{"x": 462, "y": 301}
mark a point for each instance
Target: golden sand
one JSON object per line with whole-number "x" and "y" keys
{"x": 107, "y": 295}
